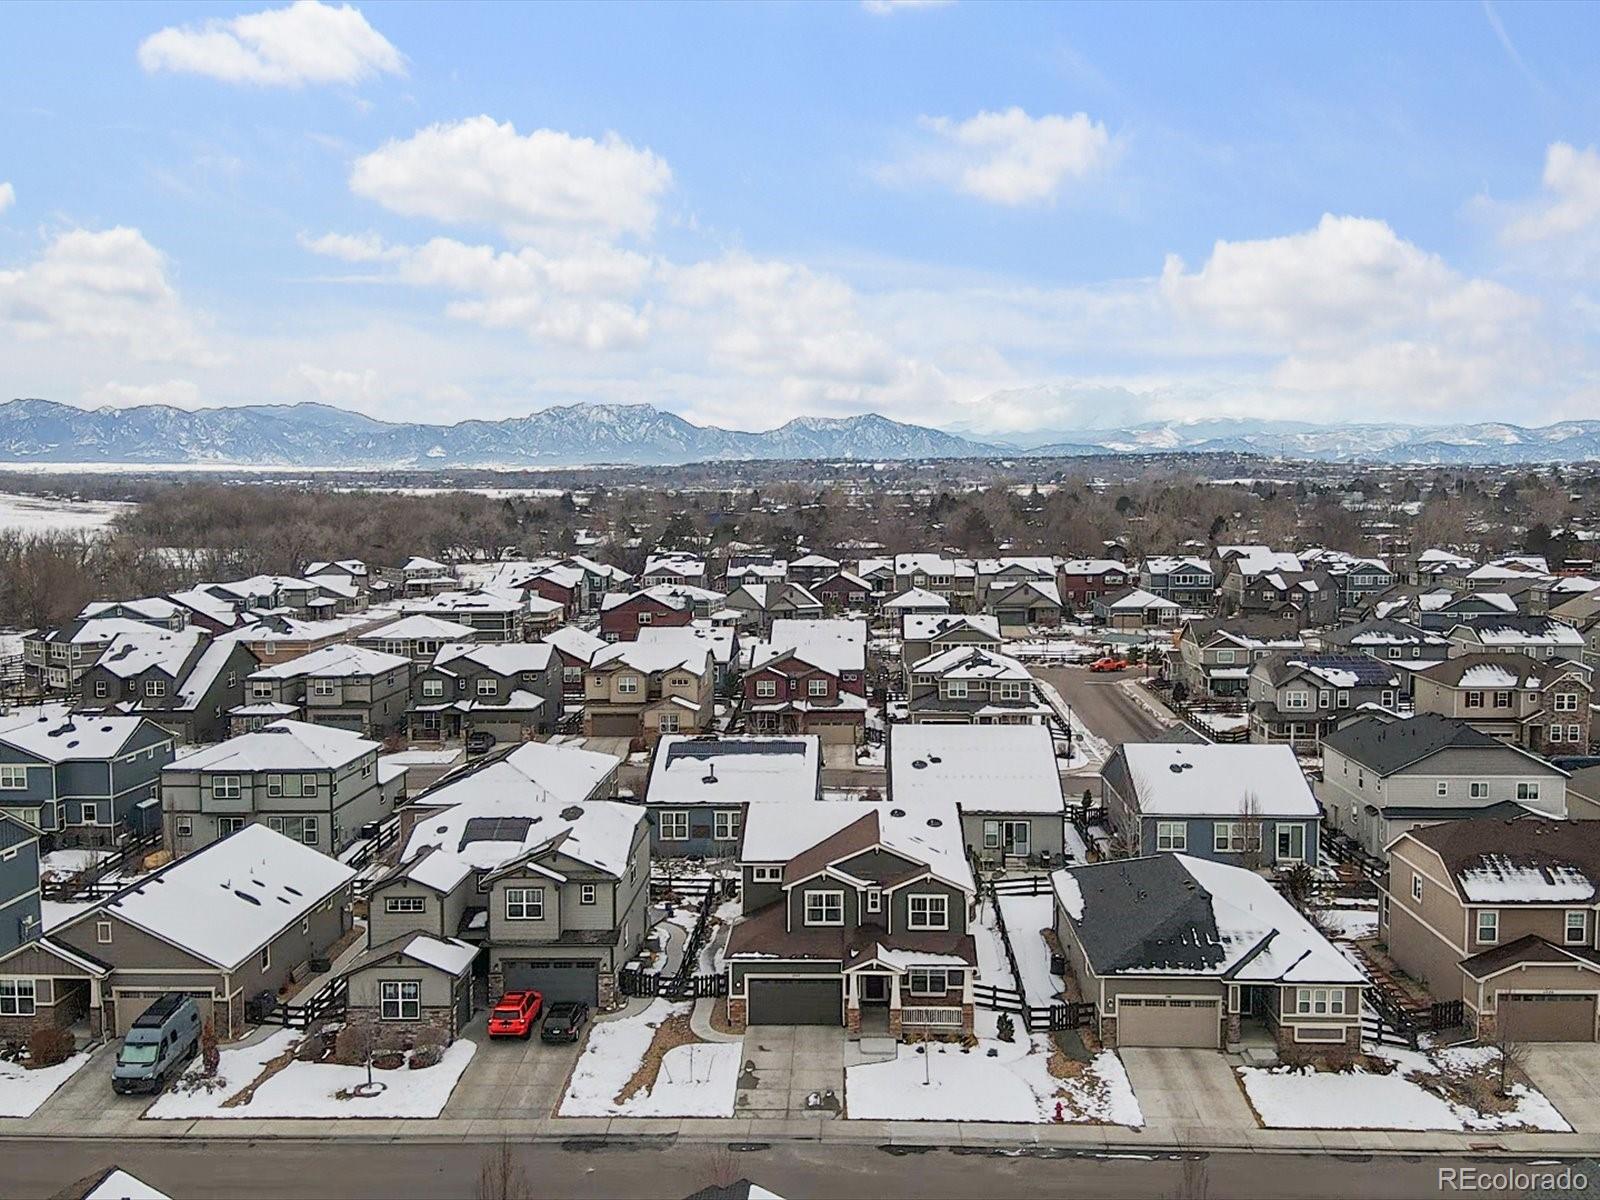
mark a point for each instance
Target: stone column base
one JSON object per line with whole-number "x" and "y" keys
{"x": 852, "y": 1019}
{"x": 738, "y": 1013}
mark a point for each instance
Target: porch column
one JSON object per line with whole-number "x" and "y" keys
{"x": 894, "y": 1004}
{"x": 852, "y": 1004}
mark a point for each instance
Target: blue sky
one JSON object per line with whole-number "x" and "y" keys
{"x": 981, "y": 216}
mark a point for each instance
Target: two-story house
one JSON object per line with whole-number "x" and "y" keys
{"x": 1541, "y": 705}
{"x": 1382, "y": 777}
{"x": 418, "y": 638}
{"x": 700, "y": 787}
{"x": 54, "y": 660}
{"x": 1085, "y": 580}
{"x": 1242, "y": 804}
{"x": 622, "y": 614}
{"x": 497, "y": 616}
{"x": 1305, "y": 598}
{"x": 1133, "y": 608}
{"x": 954, "y": 580}
{"x": 1236, "y": 566}
{"x": 727, "y": 649}
{"x": 347, "y": 687}
{"x": 81, "y": 778}
{"x": 757, "y": 605}
{"x": 969, "y": 685}
{"x": 915, "y": 602}
{"x": 510, "y": 690}
{"x": 641, "y": 692}
{"x": 854, "y": 915}
{"x": 312, "y": 783}
{"x": 1395, "y": 641}
{"x": 21, "y": 911}
{"x": 1356, "y": 577}
{"x": 1188, "y": 581}
{"x": 186, "y": 679}
{"x": 672, "y": 567}
{"x": 1215, "y": 654}
{"x": 995, "y": 577}
{"x": 1299, "y": 698}
{"x": 1025, "y": 605}
{"x": 810, "y": 678}
{"x": 811, "y": 569}
{"x": 925, "y": 634}
{"x": 843, "y": 592}
{"x": 1534, "y": 636}
{"x": 1503, "y": 915}
{"x": 524, "y": 856}
{"x": 156, "y": 611}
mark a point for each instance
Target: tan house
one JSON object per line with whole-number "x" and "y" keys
{"x": 1503, "y": 916}
{"x": 1539, "y": 704}
{"x": 640, "y": 690}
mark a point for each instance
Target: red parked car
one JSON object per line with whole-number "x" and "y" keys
{"x": 1109, "y": 664}
{"x": 515, "y": 1015}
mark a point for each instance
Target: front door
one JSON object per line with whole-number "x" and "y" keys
{"x": 874, "y": 989}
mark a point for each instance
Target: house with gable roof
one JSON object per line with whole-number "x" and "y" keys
{"x": 969, "y": 685}
{"x": 510, "y": 690}
{"x": 1299, "y": 698}
{"x": 184, "y": 679}
{"x": 809, "y": 677}
{"x": 700, "y": 788}
{"x": 1542, "y": 705}
{"x": 345, "y": 686}
{"x": 641, "y": 691}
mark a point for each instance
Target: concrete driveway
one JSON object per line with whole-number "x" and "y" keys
{"x": 1566, "y": 1072}
{"x": 511, "y": 1078}
{"x": 785, "y": 1064}
{"x": 1183, "y": 1088}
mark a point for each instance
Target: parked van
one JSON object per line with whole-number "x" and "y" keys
{"x": 163, "y": 1039}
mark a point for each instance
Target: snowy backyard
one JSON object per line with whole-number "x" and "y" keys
{"x": 264, "y": 1080}
{"x": 22, "y": 1091}
{"x": 1453, "y": 1089}
{"x": 651, "y": 1064}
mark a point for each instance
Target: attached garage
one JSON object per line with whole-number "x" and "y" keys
{"x": 130, "y": 1003}
{"x": 555, "y": 979}
{"x": 795, "y": 1001}
{"x": 1547, "y": 1017}
{"x": 1169, "y": 1021}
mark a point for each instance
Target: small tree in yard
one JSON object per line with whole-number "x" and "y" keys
{"x": 1513, "y": 1058}
{"x": 210, "y": 1056}
{"x": 1005, "y": 1028}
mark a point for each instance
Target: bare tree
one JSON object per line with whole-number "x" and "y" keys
{"x": 501, "y": 1176}
{"x": 1513, "y": 1058}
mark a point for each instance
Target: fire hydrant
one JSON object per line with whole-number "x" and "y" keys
{"x": 1060, "y": 1113}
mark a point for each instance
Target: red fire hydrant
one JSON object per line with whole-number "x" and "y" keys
{"x": 1060, "y": 1113}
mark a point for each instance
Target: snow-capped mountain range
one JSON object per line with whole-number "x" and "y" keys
{"x": 316, "y": 435}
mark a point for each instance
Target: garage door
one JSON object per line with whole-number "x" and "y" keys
{"x": 1530, "y": 1017}
{"x": 130, "y": 1003}
{"x": 1168, "y": 1021}
{"x": 795, "y": 1001}
{"x": 557, "y": 979}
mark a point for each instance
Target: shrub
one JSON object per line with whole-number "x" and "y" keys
{"x": 48, "y": 1047}
{"x": 210, "y": 1056}
{"x": 389, "y": 1061}
{"x": 426, "y": 1056}
{"x": 350, "y": 1045}
{"x": 1005, "y": 1028}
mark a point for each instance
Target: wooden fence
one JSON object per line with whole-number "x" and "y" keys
{"x": 330, "y": 1001}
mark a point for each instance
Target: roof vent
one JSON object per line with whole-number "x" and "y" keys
{"x": 919, "y": 764}
{"x": 1175, "y": 768}
{"x": 934, "y": 758}
{"x": 572, "y": 812}
{"x": 934, "y": 822}
{"x": 897, "y": 812}
{"x": 247, "y": 896}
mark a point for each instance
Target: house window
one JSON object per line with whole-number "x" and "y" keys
{"x": 1488, "y": 925}
{"x": 488, "y": 687}
{"x": 13, "y": 779}
{"x": 310, "y": 832}
{"x": 524, "y": 904}
{"x": 1502, "y": 699}
{"x": 1474, "y": 699}
{"x": 1235, "y": 837}
{"x": 956, "y": 689}
{"x": 766, "y": 688}
{"x": 1172, "y": 835}
{"x": 266, "y": 957}
{"x": 766, "y": 874}
{"x": 1527, "y": 791}
{"x": 928, "y": 912}
{"x": 673, "y": 826}
{"x": 1291, "y": 843}
{"x": 102, "y": 933}
{"x": 1011, "y": 691}
{"x": 1566, "y": 701}
{"x": 586, "y": 893}
{"x": 1224, "y": 657}
{"x": 432, "y": 688}
{"x": 322, "y": 687}
{"x": 400, "y": 999}
{"x": 645, "y": 618}
{"x": 817, "y": 687}
{"x": 260, "y": 691}
{"x": 155, "y": 687}
{"x": 100, "y": 689}
{"x": 1478, "y": 789}
{"x": 1416, "y": 886}
{"x": 928, "y": 981}
{"x": 874, "y": 900}
{"x": 1577, "y": 930}
{"x": 405, "y": 904}
{"x": 726, "y": 826}
{"x": 1441, "y": 788}
{"x": 627, "y": 685}
{"x": 183, "y": 827}
{"x": 991, "y": 835}
{"x": 824, "y": 908}
{"x": 227, "y": 825}
{"x": 225, "y": 787}
{"x": 17, "y": 997}
{"x": 1296, "y": 701}
{"x": 668, "y": 722}
{"x": 1319, "y": 1002}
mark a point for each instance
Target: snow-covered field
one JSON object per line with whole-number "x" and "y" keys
{"x": 697, "y": 1080}
{"x": 312, "y": 1089}
{"x": 1300, "y": 1098}
{"x": 40, "y": 514}
{"x": 23, "y": 1091}
{"x": 939, "y": 1082}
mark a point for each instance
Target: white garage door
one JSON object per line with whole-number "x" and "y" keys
{"x": 1168, "y": 1021}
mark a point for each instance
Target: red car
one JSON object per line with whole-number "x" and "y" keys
{"x": 1109, "y": 664}
{"x": 515, "y": 1015}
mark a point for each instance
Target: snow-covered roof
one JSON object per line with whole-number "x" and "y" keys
{"x": 1256, "y": 560}
{"x": 981, "y": 768}
{"x": 971, "y": 662}
{"x": 930, "y": 627}
{"x": 1497, "y": 879}
{"x": 499, "y": 825}
{"x": 420, "y": 627}
{"x": 835, "y": 645}
{"x": 691, "y": 639}
{"x": 917, "y": 599}
{"x": 228, "y": 899}
{"x": 1181, "y": 780}
{"x": 652, "y": 657}
{"x": 151, "y": 608}
{"x": 1138, "y": 599}
{"x": 1161, "y": 564}
{"x": 98, "y": 629}
{"x": 339, "y": 660}
{"x": 819, "y": 562}
{"x": 450, "y": 955}
{"x": 54, "y": 733}
{"x": 575, "y": 642}
{"x": 120, "y": 1185}
{"x": 733, "y": 770}
{"x": 280, "y": 746}
{"x": 777, "y": 832}
{"x": 555, "y": 771}
{"x": 503, "y": 658}
{"x": 1490, "y": 675}
{"x": 135, "y": 652}
{"x": 1093, "y": 566}
{"x": 480, "y": 601}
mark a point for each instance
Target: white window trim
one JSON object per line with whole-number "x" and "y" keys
{"x": 819, "y": 901}
{"x": 766, "y": 874}
{"x": 672, "y": 826}
{"x": 1581, "y": 928}
{"x": 399, "y": 999}
{"x": 1491, "y": 916}
{"x": 936, "y": 901}
{"x": 1169, "y": 841}
{"x": 529, "y": 899}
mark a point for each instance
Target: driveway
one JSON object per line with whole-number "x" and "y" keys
{"x": 1566, "y": 1072}
{"x": 511, "y": 1078}
{"x": 1182, "y": 1088}
{"x": 786, "y": 1064}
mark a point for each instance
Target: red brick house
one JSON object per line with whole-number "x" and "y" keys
{"x": 1085, "y": 580}
{"x": 842, "y": 591}
{"x": 621, "y": 616}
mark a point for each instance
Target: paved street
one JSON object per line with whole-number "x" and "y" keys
{"x": 646, "y": 1167}
{"x": 1101, "y": 704}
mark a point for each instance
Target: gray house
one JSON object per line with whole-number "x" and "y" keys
{"x": 1299, "y": 698}
{"x": 81, "y": 778}
{"x": 315, "y": 784}
{"x": 412, "y": 983}
{"x": 1186, "y": 580}
{"x": 511, "y": 690}
{"x": 348, "y": 687}
{"x": 1246, "y": 805}
{"x": 1399, "y": 642}
{"x": 551, "y": 885}
{"x": 700, "y": 787}
{"x": 1382, "y": 777}
{"x": 185, "y": 679}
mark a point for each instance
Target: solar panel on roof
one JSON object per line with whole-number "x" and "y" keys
{"x": 703, "y": 751}
{"x": 495, "y": 829}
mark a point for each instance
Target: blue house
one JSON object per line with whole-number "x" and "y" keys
{"x": 700, "y": 788}
{"x": 20, "y": 911}
{"x": 1247, "y": 805}
{"x": 82, "y": 778}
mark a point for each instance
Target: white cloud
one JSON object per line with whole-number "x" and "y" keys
{"x": 307, "y": 42}
{"x": 177, "y": 393}
{"x": 1572, "y": 184}
{"x": 530, "y": 187}
{"x": 887, "y": 8}
{"x": 8, "y": 196}
{"x": 109, "y": 285}
{"x": 360, "y": 390}
{"x": 349, "y": 247}
{"x": 1007, "y": 157}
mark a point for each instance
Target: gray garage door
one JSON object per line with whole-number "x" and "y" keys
{"x": 557, "y": 979}
{"x": 1529, "y": 1017}
{"x": 795, "y": 1001}
{"x": 129, "y": 1004}
{"x": 1168, "y": 1021}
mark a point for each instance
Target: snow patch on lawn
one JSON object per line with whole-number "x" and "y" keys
{"x": 1025, "y": 917}
{"x": 22, "y": 1091}
{"x": 1015, "y": 1086}
{"x": 305, "y": 1089}
{"x": 1349, "y": 922}
{"x": 697, "y": 1080}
